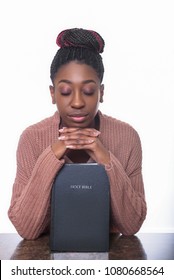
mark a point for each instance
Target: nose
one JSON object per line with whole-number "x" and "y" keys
{"x": 77, "y": 100}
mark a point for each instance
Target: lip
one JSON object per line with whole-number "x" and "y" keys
{"x": 78, "y": 117}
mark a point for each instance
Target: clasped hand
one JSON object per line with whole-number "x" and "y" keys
{"x": 81, "y": 139}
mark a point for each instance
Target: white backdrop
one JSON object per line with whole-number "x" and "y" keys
{"x": 139, "y": 83}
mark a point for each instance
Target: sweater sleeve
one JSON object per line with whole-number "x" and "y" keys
{"x": 128, "y": 205}
{"x": 30, "y": 203}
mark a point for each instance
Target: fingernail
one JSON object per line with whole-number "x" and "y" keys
{"x": 61, "y": 138}
{"x": 70, "y": 147}
{"x": 90, "y": 141}
{"x": 62, "y": 129}
{"x": 96, "y": 133}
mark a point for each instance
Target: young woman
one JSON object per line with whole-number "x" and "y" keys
{"x": 78, "y": 132}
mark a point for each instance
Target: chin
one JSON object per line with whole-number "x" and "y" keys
{"x": 80, "y": 125}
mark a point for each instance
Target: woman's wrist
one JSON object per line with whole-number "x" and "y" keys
{"x": 58, "y": 149}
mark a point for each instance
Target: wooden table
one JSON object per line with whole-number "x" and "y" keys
{"x": 142, "y": 246}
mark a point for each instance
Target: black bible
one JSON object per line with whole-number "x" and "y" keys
{"x": 80, "y": 203}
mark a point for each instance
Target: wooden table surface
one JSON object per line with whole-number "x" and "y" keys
{"x": 142, "y": 246}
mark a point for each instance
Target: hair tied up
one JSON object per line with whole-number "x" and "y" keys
{"x": 83, "y": 38}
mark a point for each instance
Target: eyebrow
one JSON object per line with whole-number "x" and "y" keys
{"x": 83, "y": 82}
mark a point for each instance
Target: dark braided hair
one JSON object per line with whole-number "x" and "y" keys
{"x": 81, "y": 45}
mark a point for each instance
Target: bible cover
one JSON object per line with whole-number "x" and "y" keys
{"x": 80, "y": 209}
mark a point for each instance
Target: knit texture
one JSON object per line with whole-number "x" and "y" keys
{"x": 37, "y": 167}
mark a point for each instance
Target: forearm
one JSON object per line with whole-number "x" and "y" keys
{"x": 128, "y": 206}
{"x": 30, "y": 202}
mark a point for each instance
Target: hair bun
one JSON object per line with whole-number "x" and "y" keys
{"x": 78, "y": 37}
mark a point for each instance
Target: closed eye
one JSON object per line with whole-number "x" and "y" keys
{"x": 88, "y": 92}
{"x": 65, "y": 93}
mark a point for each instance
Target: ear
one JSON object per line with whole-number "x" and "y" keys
{"x": 52, "y": 92}
{"x": 101, "y": 93}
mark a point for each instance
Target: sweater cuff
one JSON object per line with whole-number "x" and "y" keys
{"x": 48, "y": 163}
{"x": 109, "y": 166}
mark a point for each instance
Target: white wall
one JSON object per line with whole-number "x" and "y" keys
{"x": 139, "y": 83}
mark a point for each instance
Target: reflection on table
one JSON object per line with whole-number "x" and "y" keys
{"x": 137, "y": 247}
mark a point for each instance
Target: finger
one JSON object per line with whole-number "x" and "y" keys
{"x": 78, "y": 142}
{"x": 79, "y": 146}
{"x": 76, "y": 137}
{"x": 68, "y": 129}
{"x": 78, "y": 132}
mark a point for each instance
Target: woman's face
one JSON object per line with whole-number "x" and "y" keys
{"x": 77, "y": 92}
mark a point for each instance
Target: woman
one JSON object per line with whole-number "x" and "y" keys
{"x": 77, "y": 132}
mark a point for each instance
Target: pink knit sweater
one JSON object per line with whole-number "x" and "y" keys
{"x": 37, "y": 166}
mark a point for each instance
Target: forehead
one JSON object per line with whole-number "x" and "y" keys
{"x": 76, "y": 72}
